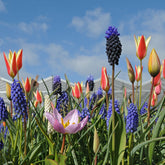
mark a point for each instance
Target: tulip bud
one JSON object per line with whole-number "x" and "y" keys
{"x": 8, "y": 91}
{"x": 87, "y": 91}
{"x": 77, "y": 90}
{"x": 131, "y": 74}
{"x": 138, "y": 73}
{"x": 153, "y": 63}
{"x": 38, "y": 96}
{"x": 95, "y": 141}
{"x": 104, "y": 80}
{"x": 163, "y": 67}
{"x": 27, "y": 84}
{"x": 157, "y": 79}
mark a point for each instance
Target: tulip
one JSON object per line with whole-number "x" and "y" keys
{"x": 104, "y": 80}
{"x": 157, "y": 79}
{"x": 19, "y": 59}
{"x": 153, "y": 63}
{"x": 77, "y": 90}
{"x": 141, "y": 46}
{"x": 87, "y": 91}
{"x": 11, "y": 64}
{"x": 27, "y": 84}
{"x": 8, "y": 91}
{"x": 138, "y": 72}
{"x": 95, "y": 141}
{"x": 131, "y": 74}
{"x": 163, "y": 67}
{"x": 38, "y": 97}
{"x": 158, "y": 88}
{"x": 154, "y": 99}
{"x": 69, "y": 124}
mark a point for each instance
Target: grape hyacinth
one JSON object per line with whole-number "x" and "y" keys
{"x": 62, "y": 103}
{"x": 19, "y": 100}
{"x": 144, "y": 108}
{"x": 3, "y": 110}
{"x": 90, "y": 81}
{"x": 132, "y": 119}
{"x": 109, "y": 113}
{"x": 99, "y": 93}
{"x": 85, "y": 112}
{"x": 103, "y": 111}
{"x": 113, "y": 45}
{"x": 1, "y": 145}
{"x": 57, "y": 87}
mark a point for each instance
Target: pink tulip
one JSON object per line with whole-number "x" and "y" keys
{"x": 69, "y": 124}
{"x": 104, "y": 80}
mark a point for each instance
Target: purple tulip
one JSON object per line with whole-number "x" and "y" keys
{"x": 69, "y": 124}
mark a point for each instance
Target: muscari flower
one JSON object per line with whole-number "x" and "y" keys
{"x": 90, "y": 81}
{"x": 57, "y": 87}
{"x": 113, "y": 45}
{"x": 3, "y": 110}
{"x": 132, "y": 119}
{"x": 19, "y": 100}
{"x": 103, "y": 112}
{"x": 69, "y": 124}
{"x": 62, "y": 103}
{"x": 99, "y": 93}
{"x": 84, "y": 113}
{"x": 143, "y": 110}
{"x": 109, "y": 113}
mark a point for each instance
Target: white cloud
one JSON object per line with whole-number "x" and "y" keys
{"x": 2, "y": 6}
{"x": 93, "y": 23}
{"x": 33, "y": 27}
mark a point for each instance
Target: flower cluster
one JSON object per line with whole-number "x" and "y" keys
{"x": 113, "y": 45}
{"x": 90, "y": 81}
{"x": 85, "y": 112}
{"x": 57, "y": 87}
{"x": 19, "y": 100}
{"x": 132, "y": 119}
{"x": 109, "y": 113}
{"x": 3, "y": 110}
{"x": 62, "y": 103}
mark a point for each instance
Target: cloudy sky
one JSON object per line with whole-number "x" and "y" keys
{"x": 68, "y": 37}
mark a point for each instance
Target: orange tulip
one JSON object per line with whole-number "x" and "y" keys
{"x": 77, "y": 90}
{"x": 11, "y": 64}
{"x": 27, "y": 84}
{"x": 19, "y": 59}
{"x": 138, "y": 72}
{"x": 154, "y": 63}
{"x": 104, "y": 80}
{"x": 141, "y": 46}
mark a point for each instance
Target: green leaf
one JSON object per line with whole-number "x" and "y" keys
{"x": 156, "y": 131}
{"x": 49, "y": 160}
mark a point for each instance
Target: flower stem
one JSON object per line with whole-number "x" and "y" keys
{"x": 149, "y": 102}
{"x": 113, "y": 113}
{"x": 140, "y": 84}
{"x": 63, "y": 144}
{"x": 107, "y": 102}
{"x": 25, "y": 134}
{"x": 95, "y": 163}
{"x": 133, "y": 92}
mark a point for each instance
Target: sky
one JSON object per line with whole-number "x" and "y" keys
{"x": 68, "y": 37}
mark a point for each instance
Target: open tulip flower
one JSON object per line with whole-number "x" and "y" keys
{"x": 69, "y": 124}
{"x": 138, "y": 72}
{"x": 11, "y": 64}
{"x": 141, "y": 46}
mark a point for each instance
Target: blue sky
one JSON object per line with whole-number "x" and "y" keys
{"x": 67, "y": 37}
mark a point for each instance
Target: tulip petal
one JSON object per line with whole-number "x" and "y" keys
{"x": 57, "y": 115}
{"x": 72, "y": 116}
{"x": 19, "y": 59}
{"x": 142, "y": 48}
{"x": 7, "y": 63}
{"x": 163, "y": 68}
{"x": 55, "y": 123}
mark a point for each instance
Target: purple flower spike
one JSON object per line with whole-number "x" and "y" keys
{"x": 69, "y": 124}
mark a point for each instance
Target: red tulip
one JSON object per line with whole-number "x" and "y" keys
{"x": 141, "y": 46}
{"x": 104, "y": 80}
{"x": 27, "y": 84}
{"x": 163, "y": 68}
{"x": 158, "y": 88}
{"x": 11, "y": 64}
{"x": 77, "y": 90}
{"x": 19, "y": 59}
{"x": 38, "y": 97}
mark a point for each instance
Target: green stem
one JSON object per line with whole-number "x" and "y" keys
{"x": 133, "y": 93}
{"x": 140, "y": 84}
{"x": 113, "y": 113}
{"x": 130, "y": 146}
{"x": 107, "y": 102}
{"x": 149, "y": 104}
{"x": 25, "y": 135}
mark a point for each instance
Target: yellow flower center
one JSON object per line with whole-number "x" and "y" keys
{"x": 64, "y": 124}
